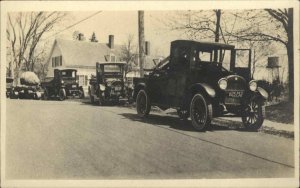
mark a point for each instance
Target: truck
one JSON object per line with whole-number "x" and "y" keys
{"x": 195, "y": 81}
{"x": 108, "y": 83}
{"x": 64, "y": 84}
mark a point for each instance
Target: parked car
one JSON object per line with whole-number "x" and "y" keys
{"x": 9, "y": 86}
{"x": 108, "y": 84}
{"x": 193, "y": 80}
{"x": 28, "y": 88}
{"x": 63, "y": 85}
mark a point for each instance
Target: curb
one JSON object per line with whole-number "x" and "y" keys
{"x": 263, "y": 129}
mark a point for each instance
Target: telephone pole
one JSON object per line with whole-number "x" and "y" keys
{"x": 141, "y": 42}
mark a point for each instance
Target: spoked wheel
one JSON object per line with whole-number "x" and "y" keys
{"x": 143, "y": 105}
{"x": 62, "y": 94}
{"x": 253, "y": 115}
{"x": 201, "y": 112}
{"x": 92, "y": 99}
{"x": 81, "y": 94}
{"x": 100, "y": 101}
{"x": 46, "y": 94}
{"x": 183, "y": 114}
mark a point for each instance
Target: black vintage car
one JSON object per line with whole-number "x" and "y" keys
{"x": 194, "y": 81}
{"x": 108, "y": 84}
{"x": 9, "y": 86}
{"x": 63, "y": 85}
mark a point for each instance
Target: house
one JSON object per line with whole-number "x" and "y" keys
{"x": 82, "y": 56}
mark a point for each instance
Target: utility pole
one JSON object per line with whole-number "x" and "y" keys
{"x": 141, "y": 42}
{"x": 217, "y": 32}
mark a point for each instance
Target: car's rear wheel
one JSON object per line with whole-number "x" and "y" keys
{"x": 253, "y": 115}
{"x": 201, "y": 112}
{"x": 62, "y": 94}
{"x": 143, "y": 105}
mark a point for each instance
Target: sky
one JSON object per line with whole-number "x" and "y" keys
{"x": 121, "y": 24}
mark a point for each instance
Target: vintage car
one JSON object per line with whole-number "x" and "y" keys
{"x": 108, "y": 84}
{"x": 9, "y": 86}
{"x": 194, "y": 81}
{"x": 63, "y": 85}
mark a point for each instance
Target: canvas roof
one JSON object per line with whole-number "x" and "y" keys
{"x": 85, "y": 53}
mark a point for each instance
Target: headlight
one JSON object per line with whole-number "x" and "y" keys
{"x": 223, "y": 83}
{"x": 102, "y": 87}
{"x": 252, "y": 85}
{"x": 62, "y": 82}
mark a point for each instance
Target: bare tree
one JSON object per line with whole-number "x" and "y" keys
{"x": 77, "y": 35}
{"x": 128, "y": 53}
{"x": 272, "y": 25}
{"x": 24, "y": 33}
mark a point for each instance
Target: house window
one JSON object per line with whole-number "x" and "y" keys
{"x": 56, "y": 61}
{"x": 112, "y": 58}
{"x": 85, "y": 80}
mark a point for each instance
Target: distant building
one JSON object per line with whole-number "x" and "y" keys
{"x": 150, "y": 62}
{"x": 82, "y": 55}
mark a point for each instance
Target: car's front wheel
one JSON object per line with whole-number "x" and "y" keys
{"x": 253, "y": 115}
{"x": 62, "y": 94}
{"x": 201, "y": 112}
{"x": 143, "y": 105}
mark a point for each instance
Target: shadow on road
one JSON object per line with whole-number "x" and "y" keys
{"x": 176, "y": 123}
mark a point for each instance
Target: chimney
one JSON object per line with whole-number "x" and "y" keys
{"x": 111, "y": 41}
{"x": 147, "y": 47}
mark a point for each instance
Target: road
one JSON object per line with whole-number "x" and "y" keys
{"x": 76, "y": 140}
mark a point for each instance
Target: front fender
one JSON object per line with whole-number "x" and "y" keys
{"x": 263, "y": 93}
{"x": 203, "y": 87}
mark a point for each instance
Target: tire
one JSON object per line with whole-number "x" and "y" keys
{"x": 100, "y": 101}
{"x": 183, "y": 114}
{"x": 92, "y": 99}
{"x": 46, "y": 94}
{"x": 143, "y": 104}
{"x": 62, "y": 94}
{"x": 253, "y": 115}
{"x": 81, "y": 94}
{"x": 201, "y": 112}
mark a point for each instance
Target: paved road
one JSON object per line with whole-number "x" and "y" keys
{"x": 75, "y": 140}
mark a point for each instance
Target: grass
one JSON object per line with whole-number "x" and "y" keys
{"x": 282, "y": 112}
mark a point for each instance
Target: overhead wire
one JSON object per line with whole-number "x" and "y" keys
{"x": 70, "y": 26}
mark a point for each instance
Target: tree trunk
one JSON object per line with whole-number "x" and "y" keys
{"x": 290, "y": 53}
{"x": 141, "y": 42}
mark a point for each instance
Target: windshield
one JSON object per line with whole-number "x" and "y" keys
{"x": 219, "y": 57}
{"x": 112, "y": 69}
{"x": 68, "y": 74}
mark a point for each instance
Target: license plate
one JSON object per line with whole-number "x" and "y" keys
{"x": 74, "y": 86}
{"x": 235, "y": 94}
